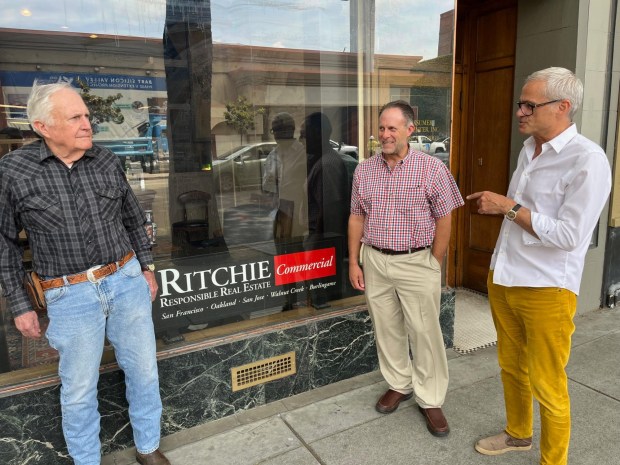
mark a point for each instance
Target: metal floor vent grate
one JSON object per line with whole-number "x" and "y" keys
{"x": 263, "y": 371}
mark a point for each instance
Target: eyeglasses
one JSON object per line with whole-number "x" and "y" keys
{"x": 527, "y": 108}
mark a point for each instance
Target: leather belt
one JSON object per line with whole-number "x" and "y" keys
{"x": 399, "y": 252}
{"x": 92, "y": 275}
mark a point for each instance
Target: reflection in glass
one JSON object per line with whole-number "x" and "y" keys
{"x": 230, "y": 206}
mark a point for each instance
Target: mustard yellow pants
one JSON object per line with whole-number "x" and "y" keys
{"x": 534, "y": 328}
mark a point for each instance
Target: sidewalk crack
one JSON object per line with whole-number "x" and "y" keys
{"x": 308, "y": 447}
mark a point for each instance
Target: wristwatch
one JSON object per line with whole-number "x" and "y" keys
{"x": 150, "y": 267}
{"x": 512, "y": 213}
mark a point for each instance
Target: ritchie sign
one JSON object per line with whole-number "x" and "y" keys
{"x": 189, "y": 294}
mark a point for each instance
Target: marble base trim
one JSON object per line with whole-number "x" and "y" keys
{"x": 196, "y": 386}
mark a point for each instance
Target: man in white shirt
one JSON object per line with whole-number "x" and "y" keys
{"x": 555, "y": 198}
{"x": 284, "y": 176}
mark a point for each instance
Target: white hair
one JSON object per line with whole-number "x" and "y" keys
{"x": 560, "y": 84}
{"x": 39, "y": 106}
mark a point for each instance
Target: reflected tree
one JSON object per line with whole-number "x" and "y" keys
{"x": 241, "y": 115}
{"x": 102, "y": 109}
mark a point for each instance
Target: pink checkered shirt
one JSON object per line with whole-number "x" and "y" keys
{"x": 400, "y": 205}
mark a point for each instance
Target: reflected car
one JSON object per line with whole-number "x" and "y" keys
{"x": 344, "y": 149}
{"x": 350, "y": 164}
{"x": 242, "y": 166}
{"x": 446, "y": 143}
{"x": 426, "y": 145}
{"x": 444, "y": 157}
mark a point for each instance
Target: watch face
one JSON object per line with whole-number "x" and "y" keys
{"x": 511, "y": 215}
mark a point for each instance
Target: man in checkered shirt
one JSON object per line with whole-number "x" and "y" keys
{"x": 399, "y": 230}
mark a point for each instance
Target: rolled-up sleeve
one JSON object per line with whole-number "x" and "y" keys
{"x": 587, "y": 188}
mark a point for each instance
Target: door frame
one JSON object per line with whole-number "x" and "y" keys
{"x": 462, "y": 117}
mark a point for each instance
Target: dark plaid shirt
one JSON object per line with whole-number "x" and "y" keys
{"x": 73, "y": 218}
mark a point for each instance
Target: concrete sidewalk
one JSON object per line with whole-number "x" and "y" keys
{"x": 338, "y": 425}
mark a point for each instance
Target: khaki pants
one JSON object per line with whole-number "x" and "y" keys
{"x": 403, "y": 294}
{"x": 534, "y": 328}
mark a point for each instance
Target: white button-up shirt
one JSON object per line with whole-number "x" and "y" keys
{"x": 566, "y": 188}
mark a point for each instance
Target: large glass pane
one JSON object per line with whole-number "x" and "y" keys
{"x": 239, "y": 126}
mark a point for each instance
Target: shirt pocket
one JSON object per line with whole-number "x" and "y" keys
{"x": 42, "y": 213}
{"x": 411, "y": 199}
{"x": 110, "y": 200}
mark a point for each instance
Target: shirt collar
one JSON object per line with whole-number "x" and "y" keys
{"x": 557, "y": 143}
{"x": 403, "y": 161}
{"x": 45, "y": 152}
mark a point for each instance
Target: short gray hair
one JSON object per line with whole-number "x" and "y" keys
{"x": 561, "y": 84}
{"x": 404, "y": 107}
{"x": 39, "y": 107}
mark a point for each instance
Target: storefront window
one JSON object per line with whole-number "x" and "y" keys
{"x": 239, "y": 126}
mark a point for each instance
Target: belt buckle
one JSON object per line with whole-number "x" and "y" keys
{"x": 90, "y": 274}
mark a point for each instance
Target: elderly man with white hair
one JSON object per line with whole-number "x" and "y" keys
{"x": 86, "y": 232}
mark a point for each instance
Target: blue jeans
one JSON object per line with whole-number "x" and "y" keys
{"x": 80, "y": 317}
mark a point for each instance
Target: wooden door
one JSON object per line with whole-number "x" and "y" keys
{"x": 486, "y": 31}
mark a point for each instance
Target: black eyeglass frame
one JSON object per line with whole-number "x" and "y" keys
{"x": 532, "y": 106}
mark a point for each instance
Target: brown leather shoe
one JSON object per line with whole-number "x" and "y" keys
{"x": 390, "y": 401}
{"x": 435, "y": 421}
{"x": 154, "y": 458}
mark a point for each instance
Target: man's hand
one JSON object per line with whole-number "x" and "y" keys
{"x": 28, "y": 324}
{"x": 356, "y": 276}
{"x": 150, "y": 278}
{"x": 490, "y": 203}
